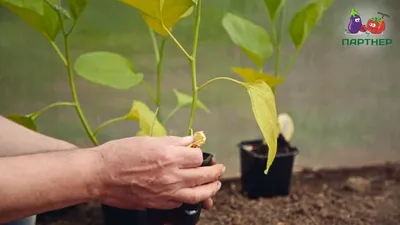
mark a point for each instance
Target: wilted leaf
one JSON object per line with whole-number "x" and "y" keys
{"x": 304, "y": 21}
{"x": 109, "y": 69}
{"x": 161, "y": 12}
{"x": 250, "y": 75}
{"x": 23, "y": 120}
{"x": 251, "y": 38}
{"x": 274, "y": 7}
{"x": 77, "y": 7}
{"x": 184, "y": 100}
{"x": 47, "y": 22}
{"x": 146, "y": 118}
{"x": 264, "y": 110}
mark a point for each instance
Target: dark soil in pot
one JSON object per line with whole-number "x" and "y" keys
{"x": 253, "y": 158}
{"x": 187, "y": 214}
{"x": 318, "y": 197}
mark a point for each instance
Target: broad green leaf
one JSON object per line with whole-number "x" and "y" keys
{"x": 305, "y": 20}
{"x": 23, "y": 120}
{"x": 274, "y": 7}
{"x": 264, "y": 110}
{"x": 157, "y": 13}
{"x": 47, "y": 23}
{"x": 76, "y": 7}
{"x": 251, "y": 38}
{"x": 184, "y": 100}
{"x": 33, "y": 5}
{"x": 147, "y": 120}
{"x": 250, "y": 75}
{"x": 108, "y": 69}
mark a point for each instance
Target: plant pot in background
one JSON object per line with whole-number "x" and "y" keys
{"x": 253, "y": 158}
{"x": 187, "y": 214}
{"x": 26, "y": 221}
{"x": 117, "y": 216}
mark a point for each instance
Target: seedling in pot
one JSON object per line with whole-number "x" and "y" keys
{"x": 260, "y": 46}
{"x": 113, "y": 70}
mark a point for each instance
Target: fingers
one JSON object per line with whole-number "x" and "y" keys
{"x": 176, "y": 141}
{"x": 188, "y": 157}
{"x": 201, "y": 175}
{"x": 197, "y": 194}
{"x": 207, "y": 204}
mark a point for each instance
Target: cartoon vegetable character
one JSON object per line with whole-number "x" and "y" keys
{"x": 355, "y": 22}
{"x": 375, "y": 25}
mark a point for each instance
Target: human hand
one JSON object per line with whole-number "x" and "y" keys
{"x": 155, "y": 172}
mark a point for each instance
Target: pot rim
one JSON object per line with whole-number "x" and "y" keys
{"x": 278, "y": 154}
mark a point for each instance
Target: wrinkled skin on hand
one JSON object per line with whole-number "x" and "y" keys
{"x": 155, "y": 172}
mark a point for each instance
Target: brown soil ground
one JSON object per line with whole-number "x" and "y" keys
{"x": 360, "y": 196}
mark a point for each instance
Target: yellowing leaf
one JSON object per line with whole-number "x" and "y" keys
{"x": 184, "y": 100}
{"x": 147, "y": 120}
{"x": 157, "y": 13}
{"x": 264, "y": 110}
{"x": 250, "y": 75}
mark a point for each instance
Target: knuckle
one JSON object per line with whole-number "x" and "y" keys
{"x": 194, "y": 198}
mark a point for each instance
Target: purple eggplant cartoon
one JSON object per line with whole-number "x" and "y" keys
{"x": 355, "y": 22}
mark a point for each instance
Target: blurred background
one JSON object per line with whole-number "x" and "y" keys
{"x": 344, "y": 99}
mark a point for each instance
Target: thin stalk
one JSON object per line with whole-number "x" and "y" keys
{"x": 279, "y": 43}
{"x": 291, "y": 62}
{"x": 72, "y": 83}
{"x": 150, "y": 91}
{"x": 41, "y": 111}
{"x": 215, "y": 79}
{"x": 169, "y": 116}
{"x": 108, "y": 122}
{"x": 189, "y": 57}
{"x": 193, "y": 66}
{"x": 155, "y": 46}
{"x": 159, "y": 71}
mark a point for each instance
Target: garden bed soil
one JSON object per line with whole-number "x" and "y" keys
{"x": 359, "y": 196}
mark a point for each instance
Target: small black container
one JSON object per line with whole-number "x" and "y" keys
{"x": 253, "y": 157}
{"x": 117, "y": 216}
{"x": 187, "y": 214}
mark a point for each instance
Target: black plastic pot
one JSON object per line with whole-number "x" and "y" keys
{"x": 117, "y": 216}
{"x": 277, "y": 182}
{"x": 187, "y": 214}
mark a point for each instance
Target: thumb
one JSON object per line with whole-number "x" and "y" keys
{"x": 178, "y": 141}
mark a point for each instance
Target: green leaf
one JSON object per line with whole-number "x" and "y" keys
{"x": 147, "y": 120}
{"x": 157, "y": 13}
{"x": 188, "y": 12}
{"x": 274, "y": 7}
{"x": 184, "y": 100}
{"x": 264, "y": 110}
{"x": 58, "y": 8}
{"x": 23, "y": 120}
{"x": 108, "y": 69}
{"x": 305, "y": 20}
{"x": 46, "y": 23}
{"x": 251, "y": 38}
{"x": 250, "y": 75}
{"x": 76, "y": 7}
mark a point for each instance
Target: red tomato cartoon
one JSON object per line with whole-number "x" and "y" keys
{"x": 375, "y": 25}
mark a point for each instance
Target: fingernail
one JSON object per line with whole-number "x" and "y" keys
{"x": 219, "y": 184}
{"x": 223, "y": 169}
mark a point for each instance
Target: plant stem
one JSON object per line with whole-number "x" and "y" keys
{"x": 72, "y": 82}
{"x": 177, "y": 42}
{"x": 155, "y": 46}
{"x": 159, "y": 70}
{"x": 59, "y": 53}
{"x": 38, "y": 113}
{"x": 150, "y": 91}
{"x": 215, "y": 79}
{"x": 108, "y": 122}
{"x": 291, "y": 63}
{"x": 175, "y": 110}
{"x": 193, "y": 65}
